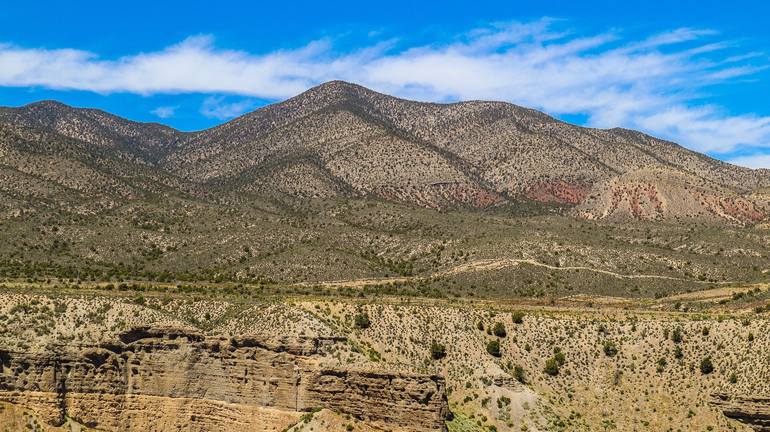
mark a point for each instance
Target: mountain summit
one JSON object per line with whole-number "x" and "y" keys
{"x": 343, "y": 140}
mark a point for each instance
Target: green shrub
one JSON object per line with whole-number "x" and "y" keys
{"x": 559, "y": 356}
{"x": 706, "y": 366}
{"x": 610, "y": 348}
{"x": 519, "y": 375}
{"x": 551, "y": 367}
{"x": 493, "y": 347}
{"x": 499, "y": 330}
{"x": 676, "y": 335}
{"x": 437, "y": 351}
{"x": 518, "y": 317}
{"x": 362, "y": 321}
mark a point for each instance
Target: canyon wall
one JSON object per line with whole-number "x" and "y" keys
{"x": 752, "y": 410}
{"x": 167, "y": 379}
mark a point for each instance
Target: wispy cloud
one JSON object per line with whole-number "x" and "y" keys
{"x": 217, "y": 107}
{"x": 655, "y": 83}
{"x": 758, "y": 160}
{"x": 164, "y": 112}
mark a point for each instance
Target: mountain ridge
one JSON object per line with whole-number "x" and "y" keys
{"x": 340, "y": 139}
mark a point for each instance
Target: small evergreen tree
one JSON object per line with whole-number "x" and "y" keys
{"x": 493, "y": 347}
{"x": 519, "y": 375}
{"x": 499, "y": 330}
{"x": 551, "y": 367}
{"x": 437, "y": 351}
{"x": 676, "y": 335}
{"x": 610, "y": 348}
{"x": 559, "y": 356}
{"x": 362, "y": 321}
{"x": 706, "y": 366}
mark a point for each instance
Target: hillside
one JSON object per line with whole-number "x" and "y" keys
{"x": 343, "y": 140}
{"x": 346, "y": 260}
{"x": 658, "y": 194}
{"x": 342, "y": 184}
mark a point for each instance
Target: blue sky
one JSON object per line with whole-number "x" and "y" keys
{"x": 695, "y": 72}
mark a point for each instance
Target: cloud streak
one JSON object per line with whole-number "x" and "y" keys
{"x": 655, "y": 84}
{"x": 164, "y": 112}
{"x": 216, "y": 107}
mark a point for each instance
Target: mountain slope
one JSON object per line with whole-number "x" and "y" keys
{"x": 42, "y": 169}
{"x": 476, "y": 153}
{"x": 143, "y": 142}
{"x": 343, "y": 140}
{"x": 658, "y": 194}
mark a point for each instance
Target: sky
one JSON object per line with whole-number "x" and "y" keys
{"x": 695, "y": 72}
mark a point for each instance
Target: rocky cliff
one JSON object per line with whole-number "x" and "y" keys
{"x": 172, "y": 379}
{"x": 752, "y": 410}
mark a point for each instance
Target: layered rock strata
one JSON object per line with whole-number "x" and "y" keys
{"x": 752, "y": 410}
{"x": 170, "y": 379}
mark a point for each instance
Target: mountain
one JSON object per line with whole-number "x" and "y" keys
{"x": 144, "y": 142}
{"x": 346, "y": 260}
{"x": 41, "y": 169}
{"x": 343, "y": 140}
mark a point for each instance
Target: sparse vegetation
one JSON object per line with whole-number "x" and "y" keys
{"x": 493, "y": 348}
{"x": 706, "y": 366}
{"x": 362, "y": 321}
{"x": 437, "y": 351}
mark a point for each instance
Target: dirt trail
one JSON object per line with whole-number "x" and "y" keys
{"x": 497, "y": 264}
{"x": 717, "y": 293}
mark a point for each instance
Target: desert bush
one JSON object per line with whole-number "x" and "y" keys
{"x": 551, "y": 367}
{"x": 676, "y": 335}
{"x": 362, "y": 321}
{"x": 493, "y": 347}
{"x": 706, "y": 366}
{"x": 519, "y": 374}
{"x": 559, "y": 356}
{"x": 499, "y": 330}
{"x": 610, "y": 348}
{"x": 437, "y": 351}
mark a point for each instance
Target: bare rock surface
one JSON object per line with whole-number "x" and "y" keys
{"x": 210, "y": 382}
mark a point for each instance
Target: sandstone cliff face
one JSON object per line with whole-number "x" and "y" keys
{"x": 173, "y": 379}
{"x": 752, "y": 410}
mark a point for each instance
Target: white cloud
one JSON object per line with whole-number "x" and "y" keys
{"x": 216, "y": 107}
{"x": 712, "y": 131}
{"x": 164, "y": 111}
{"x": 752, "y": 161}
{"x": 611, "y": 81}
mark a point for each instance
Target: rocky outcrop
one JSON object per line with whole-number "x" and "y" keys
{"x": 166, "y": 379}
{"x": 752, "y": 410}
{"x": 658, "y": 194}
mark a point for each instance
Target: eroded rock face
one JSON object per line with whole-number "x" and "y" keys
{"x": 165, "y": 379}
{"x": 752, "y": 410}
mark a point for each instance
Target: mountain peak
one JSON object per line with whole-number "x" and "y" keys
{"x": 48, "y": 104}
{"x": 338, "y": 90}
